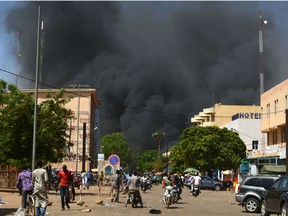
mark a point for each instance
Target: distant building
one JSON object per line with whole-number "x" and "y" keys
{"x": 85, "y": 102}
{"x": 249, "y": 132}
{"x": 220, "y": 115}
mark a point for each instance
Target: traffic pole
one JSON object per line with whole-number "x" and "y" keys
{"x": 286, "y": 139}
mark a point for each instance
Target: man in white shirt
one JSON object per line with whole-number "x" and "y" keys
{"x": 196, "y": 181}
{"x": 40, "y": 180}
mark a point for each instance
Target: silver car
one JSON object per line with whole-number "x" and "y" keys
{"x": 210, "y": 183}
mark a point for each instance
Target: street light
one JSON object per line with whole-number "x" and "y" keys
{"x": 94, "y": 129}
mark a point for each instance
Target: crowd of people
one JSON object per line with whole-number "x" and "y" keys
{"x": 40, "y": 181}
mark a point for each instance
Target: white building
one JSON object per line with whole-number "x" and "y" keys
{"x": 248, "y": 126}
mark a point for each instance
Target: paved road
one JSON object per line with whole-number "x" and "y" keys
{"x": 208, "y": 203}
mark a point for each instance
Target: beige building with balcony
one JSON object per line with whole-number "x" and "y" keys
{"x": 274, "y": 102}
{"x": 220, "y": 114}
{"x": 84, "y": 104}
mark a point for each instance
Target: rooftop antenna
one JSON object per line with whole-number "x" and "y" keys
{"x": 261, "y": 71}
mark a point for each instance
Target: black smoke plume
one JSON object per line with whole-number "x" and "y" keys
{"x": 154, "y": 64}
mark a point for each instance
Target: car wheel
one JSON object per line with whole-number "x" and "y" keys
{"x": 284, "y": 209}
{"x": 252, "y": 205}
{"x": 264, "y": 211}
{"x": 217, "y": 187}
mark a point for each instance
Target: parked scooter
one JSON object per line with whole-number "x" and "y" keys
{"x": 171, "y": 196}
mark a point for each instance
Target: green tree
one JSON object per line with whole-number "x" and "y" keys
{"x": 115, "y": 143}
{"x": 148, "y": 159}
{"x": 158, "y": 136}
{"x": 207, "y": 148}
{"x": 16, "y": 127}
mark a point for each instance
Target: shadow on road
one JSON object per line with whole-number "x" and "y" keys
{"x": 175, "y": 207}
{"x": 7, "y": 211}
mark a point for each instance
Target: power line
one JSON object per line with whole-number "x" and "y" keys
{"x": 102, "y": 101}
{"x": 123, "y": 105}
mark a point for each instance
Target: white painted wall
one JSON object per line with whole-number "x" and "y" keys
{"x": 248, "y": 130}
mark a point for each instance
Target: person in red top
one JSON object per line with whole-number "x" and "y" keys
{"x": 64, "y": 177}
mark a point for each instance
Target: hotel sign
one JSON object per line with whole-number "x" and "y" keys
{"x": 246, "y": 116}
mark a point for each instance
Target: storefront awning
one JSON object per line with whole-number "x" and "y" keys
{"x": 273, "y": 169}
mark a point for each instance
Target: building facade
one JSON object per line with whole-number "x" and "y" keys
{"x": 220, "y": 114}
{"x": 249, "y": 131}
{"x": 274, "y": 102}
{"x": 84, "y": 104}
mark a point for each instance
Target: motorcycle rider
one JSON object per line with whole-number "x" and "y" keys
{"x": 167, "y": 182}
{"x": 133, "y": 184}
{"x": 143, "y": 182}
{"x": 178, "y": 183}
{"x": 196, "y": 181}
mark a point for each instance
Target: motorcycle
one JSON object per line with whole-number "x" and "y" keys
{"x": 55, "y": 183}
{"x": 135, "y": 198}
{"x": 171, "y": 196}
{"x": 149, "y": 184}
{"x": 144, "y": 186}
{"x": 176, "y": 193}
{"x": 195, "y": 190}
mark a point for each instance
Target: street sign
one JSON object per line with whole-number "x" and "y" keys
{"x": 244, "y": 168}
{"x": 245, "y": 161}
{"x": 114, "y": 160}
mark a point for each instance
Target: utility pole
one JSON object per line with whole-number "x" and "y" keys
{"x": 286, "y": 139}
{"x": 261, "y": 50}
{"x": 18, "y": 34}
{"x": 36, "y": 87}
{"x": 78, "y": 119}
{"x": 84, "y": 147}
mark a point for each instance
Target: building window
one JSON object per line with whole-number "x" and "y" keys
{"x": 212, "y": 117}
{"x": 263, "y": 161}
{"x": 283, "y": 135}
{"x": 276, "y": 106}
{"x": 274, "y": 137}
{"x": 255, "y": 144}
{"x": 268, "y": 110}
{"x": 267, "y": 161}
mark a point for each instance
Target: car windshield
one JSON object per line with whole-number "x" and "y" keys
{"x": 284, "y": 184}
{"x": 276, "y": 184}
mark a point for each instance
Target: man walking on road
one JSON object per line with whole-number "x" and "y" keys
{"x": 40, "y": 180}
{"x": 116, "y": 185}
{"x": 24, "y": 182}
{"x": 64, "y": 177}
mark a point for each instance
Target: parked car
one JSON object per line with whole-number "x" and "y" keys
{"x": 210, "y": 183}
{"x": 275, "y": 199}
{"x": 249, "y": 192}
